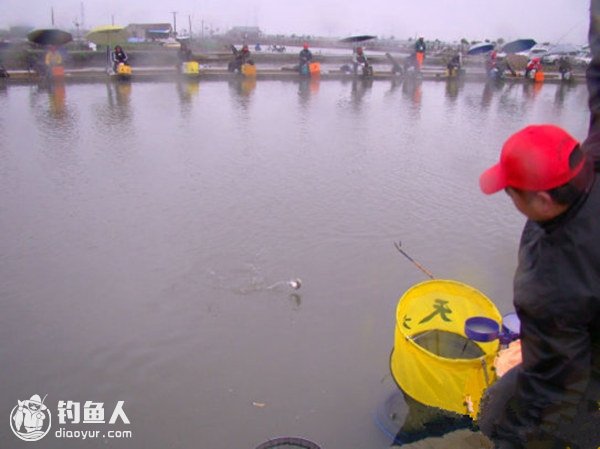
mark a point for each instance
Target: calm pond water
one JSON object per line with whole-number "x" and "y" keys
{"x": 147, "y": 230}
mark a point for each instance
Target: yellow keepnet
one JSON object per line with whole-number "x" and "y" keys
{"x": 432, "y": 360}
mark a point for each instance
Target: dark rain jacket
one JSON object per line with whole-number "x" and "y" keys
{"x": 592, "y": 143}
{"x": 119, "y": 56}
{"x": 184, "y": 54}
{"x": 420, "y": 46}
{"x": 243, "y": 56}
{"x": 360, "y": 59}
{"x": 305, "y": 56}
{"x": 557, "y": 298}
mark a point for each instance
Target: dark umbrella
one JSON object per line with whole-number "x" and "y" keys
{"x": 479, "y": 49}
{"x": 518, "y": 46}
{"x": 361, "y": 38}
{"x": 49, "y": 36}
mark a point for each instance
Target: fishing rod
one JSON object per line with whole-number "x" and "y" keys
{"x": 398, "y": 245}
{"x": 569, "y": 31}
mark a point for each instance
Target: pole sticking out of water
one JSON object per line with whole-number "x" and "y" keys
{"x": 416, "y": 264}
{"x": 294, "y": 284}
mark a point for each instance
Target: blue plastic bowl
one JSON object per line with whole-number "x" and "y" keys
{"x": 482, "y": 329}
{"x": 511, "y": 324}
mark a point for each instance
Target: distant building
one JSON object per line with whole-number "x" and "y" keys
{"x": 245, "y": 34}
{"x": 149, "y": 31}
{"x": 19, "y": 31}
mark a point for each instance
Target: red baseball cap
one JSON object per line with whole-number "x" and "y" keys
{"x": 534, "y": 158}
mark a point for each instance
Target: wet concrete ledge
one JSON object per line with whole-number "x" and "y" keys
{"x": 170, "y": 74}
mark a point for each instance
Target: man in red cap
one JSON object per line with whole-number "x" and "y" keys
{"x": 305, "y": 57}
{"x": 420, "y": 48}
{"x": 240, "y": 58}
{"x": 551, "y": 400}
{"x": 359, "y": 59}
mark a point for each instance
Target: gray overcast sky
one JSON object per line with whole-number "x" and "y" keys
{"x": 543, "y": 20}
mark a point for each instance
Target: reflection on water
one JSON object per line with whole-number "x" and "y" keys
{"x": 187, "y": 90}
{"x": 122, "y": 91}
{"x": 453, "y": 85}
{"x": 144, "y": 222}
{"x": 532, "y": 90}
{"x": 413, "y": 89}
{"x": 508, "y": 93}
{"x": 308, "y": 87}
{"x": 395, "y": 83}
{"x": 115, "y": 112}
{"x": 360, "y": 87}
{"x": 359, "y": 93}
{"x": 55, "y": 117}
{"x": 57, "y": 95}
{"x": 562, "y": 90}
{"x": 490, "y": 87}
{"x": 242, "y": 89}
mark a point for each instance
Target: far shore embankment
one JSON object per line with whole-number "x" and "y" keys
{"x": 158, "y": 62}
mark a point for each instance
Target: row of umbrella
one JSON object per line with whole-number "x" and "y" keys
{"x": 103, "y": 35}
{"x": 109, "y": 34}
{"x": 516, "y": 46}
{"x": 511, "y": 47}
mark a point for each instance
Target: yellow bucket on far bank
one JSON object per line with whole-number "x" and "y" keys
{"x": 433, "y": 361}
{"x": 123, "y": 69}
{"x": 539, "y": 77}
{"x": 249, "y": 70}
{"x": 191, "y": 68}
{"x": 314, "y": 68}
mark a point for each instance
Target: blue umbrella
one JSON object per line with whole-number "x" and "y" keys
{"x": 518, "y": 46}
{"x": 481, "y": 48}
